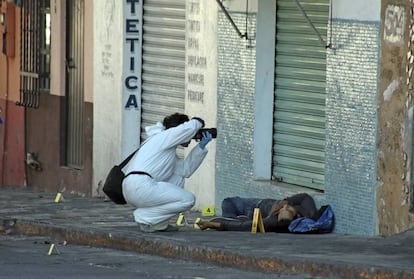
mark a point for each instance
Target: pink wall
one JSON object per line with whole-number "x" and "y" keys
{"x": 12, "y": 132}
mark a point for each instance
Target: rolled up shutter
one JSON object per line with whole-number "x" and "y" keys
{"x": 299, "y": 113}
{"x": 163, "y": 60}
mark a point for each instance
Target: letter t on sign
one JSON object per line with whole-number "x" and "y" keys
{"x": 133, "y": 2}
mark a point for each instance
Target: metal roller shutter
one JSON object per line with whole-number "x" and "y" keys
{"x": 299, "y": 113}
{"x": 163, "y": 60}
{"x": 75, "y": 84}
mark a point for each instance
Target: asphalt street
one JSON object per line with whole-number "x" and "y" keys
{"x": 29, "y": 257}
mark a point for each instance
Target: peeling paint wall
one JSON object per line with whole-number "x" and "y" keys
{"x": 395, "y": 117}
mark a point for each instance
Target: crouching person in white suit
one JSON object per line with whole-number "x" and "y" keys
{"x": 157, "y": 191}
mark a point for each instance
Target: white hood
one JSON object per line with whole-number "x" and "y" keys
{"x": 154, "y": 129}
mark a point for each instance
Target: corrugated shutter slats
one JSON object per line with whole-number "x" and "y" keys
{"x": 163, "y": 64}
{"x": 299, "y": 117}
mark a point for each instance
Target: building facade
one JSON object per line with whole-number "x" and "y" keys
{"x": 307, "y": 96}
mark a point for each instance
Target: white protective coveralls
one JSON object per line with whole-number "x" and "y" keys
{"x": 161, "y": 197}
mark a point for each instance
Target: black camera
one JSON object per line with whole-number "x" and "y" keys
{"x": 199, "y": 135}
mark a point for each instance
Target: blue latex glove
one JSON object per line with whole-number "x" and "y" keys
{"x": 207, "y": 137}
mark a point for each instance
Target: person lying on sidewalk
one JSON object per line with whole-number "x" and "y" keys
{"x": 242, "y": 208}
{"x": 238, "y": 213}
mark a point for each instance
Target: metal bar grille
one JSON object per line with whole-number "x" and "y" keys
{"x": 34, "y": 52}
{"x": 75, "y": 84}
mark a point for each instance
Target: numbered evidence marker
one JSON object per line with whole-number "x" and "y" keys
{"x": 208, "y": 211}
{"x": 257, "y": 221}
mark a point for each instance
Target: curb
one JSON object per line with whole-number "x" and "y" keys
{"x": 173, "y": 249}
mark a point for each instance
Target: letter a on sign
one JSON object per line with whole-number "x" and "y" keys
{"x": 132, "y": 101}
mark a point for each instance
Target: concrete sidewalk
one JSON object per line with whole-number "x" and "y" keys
{"x": 96, "y": 222}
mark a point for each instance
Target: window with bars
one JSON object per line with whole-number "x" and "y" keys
{"x": 34, "y": 52}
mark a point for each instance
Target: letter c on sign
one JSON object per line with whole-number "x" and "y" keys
{"x": 128, "y": 82}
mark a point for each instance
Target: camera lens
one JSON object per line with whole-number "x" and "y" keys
{"x": 212, "y": 131}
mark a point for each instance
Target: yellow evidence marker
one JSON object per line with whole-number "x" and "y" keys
{"x": 208, "y": 211}
{"x": 58, "y": 197}
{"x": 257, "y": 221}
{"x": 51, "y": 249}
{"x": 195, "y": 223}
{"x": 180, "y": 220}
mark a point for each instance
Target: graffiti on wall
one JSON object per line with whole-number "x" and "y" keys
{"x": 106, "y": 53}
{"x": 394, "y": 24}
{"x": 196, "y": 64}
{"x": 106, "y": 57}
{"x": 110, "y": 7}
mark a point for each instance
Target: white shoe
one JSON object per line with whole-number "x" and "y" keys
{"x": 149, "y": 228}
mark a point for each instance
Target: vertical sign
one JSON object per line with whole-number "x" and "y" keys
{"x": 131, "y": 77}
